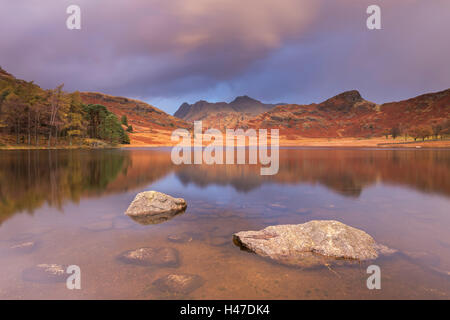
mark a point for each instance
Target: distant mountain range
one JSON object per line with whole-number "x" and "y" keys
{"x": 345, "y": 115}
{"x": 222, "y": 114}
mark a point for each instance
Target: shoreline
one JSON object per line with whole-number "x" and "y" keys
{"x": 301, "y": 143}
{"x": 375, "y": 143}
{"x": 19, "y": 147}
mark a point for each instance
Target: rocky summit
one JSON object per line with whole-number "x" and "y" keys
{"x": 311, "y": 244}
{"x": 152, "y": 207}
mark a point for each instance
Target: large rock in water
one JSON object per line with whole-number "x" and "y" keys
{"x": 152, "y": 207}
{"x": 311, "y": 244}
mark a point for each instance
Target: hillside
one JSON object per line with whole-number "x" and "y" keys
{"x": 29, "y": 114}
{"x": 139, "y": 113}
{"x": 222, "y": 114}
{"x": 32, "y": 116}
{"x": 349, "y": 115}
{"x": 150, "y": 124}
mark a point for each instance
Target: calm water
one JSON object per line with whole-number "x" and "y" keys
{"x": 72, "y": 203}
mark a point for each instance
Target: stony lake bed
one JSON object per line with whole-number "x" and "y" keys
{"x": 67, "y": 207}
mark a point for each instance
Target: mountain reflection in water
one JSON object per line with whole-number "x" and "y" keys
{"x": 30, "y": 179}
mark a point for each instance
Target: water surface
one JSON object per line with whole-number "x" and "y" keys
{"x": 71, "y": 204}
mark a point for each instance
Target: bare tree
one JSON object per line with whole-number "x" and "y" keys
{"x": 54, "y": 108}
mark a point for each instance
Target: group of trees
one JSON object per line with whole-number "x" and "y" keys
{"x": 103, "y": 124}
{"x": 436, "y": 130}
{"x": 35, "y": 116}
{"x": 124, "y": 121}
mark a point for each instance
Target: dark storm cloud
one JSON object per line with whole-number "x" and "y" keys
{"x": 169, "y": 51}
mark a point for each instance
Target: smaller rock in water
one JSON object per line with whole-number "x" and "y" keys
{"x": 24, "y": 247}
{"x": 152, "y": 207}
{"x": 180, "y": 238}
{"x": 311, "y": 244}
{"x": 45, "y": 273}
{"x": 219, "y": 241}
{"x": 179, "y": 283}
{"x": 162, "y": 257}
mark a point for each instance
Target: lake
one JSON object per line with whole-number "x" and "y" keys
{"x": 70, "y": 204}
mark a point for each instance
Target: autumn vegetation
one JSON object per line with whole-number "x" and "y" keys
{"x": 436, "y": 130}
{"x": 32, "y": 116}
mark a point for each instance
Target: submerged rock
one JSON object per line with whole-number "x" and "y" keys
{"x": 428, "y": 261}
{"x": 45, "y": 273}
{"x": 152, "y": 207}
{"x": 179, "y": 283}
{"x": 219, "y": 241}
{"x": 180, "y": 238}
{"x": 163, "y": 257}
{"x": 185, "y": 237}
{"x": 311, "y": 244}
{"x": 100, "y": 226}
{"x": 123, "y": 223}
{"x": 24, "y": 247}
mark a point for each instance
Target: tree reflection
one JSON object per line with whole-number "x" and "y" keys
{"x": 30, "y": 179}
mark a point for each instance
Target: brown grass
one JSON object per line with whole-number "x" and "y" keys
{"x": 162, "y": 138}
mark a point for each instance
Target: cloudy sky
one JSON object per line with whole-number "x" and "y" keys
{"x": 166, "y": 52}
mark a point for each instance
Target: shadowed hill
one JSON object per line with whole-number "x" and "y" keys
{"x": 222, "y": 114}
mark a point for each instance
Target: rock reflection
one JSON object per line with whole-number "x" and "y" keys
{"x": 155, "y": 219}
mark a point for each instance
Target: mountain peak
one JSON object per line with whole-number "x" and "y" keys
{"x": 183, "y": 110}
{"x": 349, "y": 96}
{"x": 244, "y": 99}
{"x": 231, "y": 113}
{"x": 346, "y": 101}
